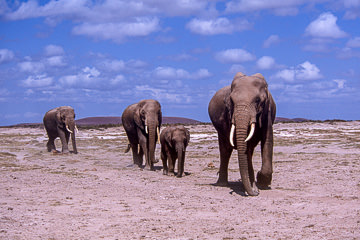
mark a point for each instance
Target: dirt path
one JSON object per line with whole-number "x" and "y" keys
{"x": 97, "y": 195}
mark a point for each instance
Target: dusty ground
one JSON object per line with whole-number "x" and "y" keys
{"x": 96, "y": 195}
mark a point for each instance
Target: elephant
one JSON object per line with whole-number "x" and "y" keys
{"x": 142, "y": 122}
{"x": 243, "y": 115}
{"x": 174, "y": 141}
{"x": 60, "y": 122}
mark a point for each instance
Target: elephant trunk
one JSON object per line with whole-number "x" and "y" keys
{"x": 181, "y": 158}
{"x": 243, "y": 118}
{"x": 152, "y": 126}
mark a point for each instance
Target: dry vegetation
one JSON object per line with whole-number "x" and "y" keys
{"x": 97, "y": 194}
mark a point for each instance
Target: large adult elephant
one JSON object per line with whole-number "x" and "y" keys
{"x": 243, "y": 115}
{"x": 60, "y": 122}
{"x": 142, "y": 123}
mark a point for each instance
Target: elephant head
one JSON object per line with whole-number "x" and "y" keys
{"x": 250, "y": 111}
{"x": 148, "y": 117}
{"x": 65, "y": 119}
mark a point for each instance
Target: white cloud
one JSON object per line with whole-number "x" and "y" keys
{"x": 340, "y": 83}
{"x": 266, "y": 62}
{"x": 52, "y": 10}
{"x": 352, "y": 9}
{"x": 118, "y": 80}
{"x": 201, "y": 73}
{"x": 53, "y": 50}
{"x": 169, "y": 73}
{"x": 308, "y": 71}
{"x": 217, "y": 26}
{"x": 31, "y": 66}
{"x": 234, "y": 56}
{"x": 279, "y": 7}
{"x": 119, "y": 31}
{"x": 287, "y": 74}
{"x": 178, "y": 7}
{"x": 82, "y": 10}
{"x": 56, "y": 61}
{"x": 325, "y": 27}
{"x": 6, "y": 55}
{"x": 163, "y": 95}
{"x": 273, "y": 39}
{"x": 37, "y": 81}
{"x": 354, "y": 43}
{"x": 88, "y": 77}
{"x": 303, "y": 72}
{"x": 114, "y": 65}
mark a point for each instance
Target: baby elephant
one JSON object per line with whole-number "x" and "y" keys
{"x": 174, "y": 141}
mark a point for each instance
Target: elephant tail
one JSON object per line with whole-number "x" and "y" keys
{"x": 128, "y": 148}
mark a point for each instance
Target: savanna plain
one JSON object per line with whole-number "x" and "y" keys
{"x": 98, "y": 194}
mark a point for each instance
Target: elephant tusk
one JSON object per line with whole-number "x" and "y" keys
{"x": 67, "y": 128}
{"x": 232, "y": 135}
{"x": 146, "y": 129}
{"x": 252, "y": 130}
{"x": 158, "y": 134}
{"x": 138, "y": 149}
{"x": 76, "y": 129}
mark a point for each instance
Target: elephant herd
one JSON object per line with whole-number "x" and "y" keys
{"x": 242, "y": 114}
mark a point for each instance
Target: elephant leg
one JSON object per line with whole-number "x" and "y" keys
{"x": 64, "y": 144}
{"x": 164, "y": 159}
{"x": 51, "y": 144}
{"x": 67, "y": 137}
{"x": 225, "y": 153}
{"x": 171, "y": 160}
{"x": 264, "y": 176}
{"x": 137, "y": 154}
{"x": 145, "y": 151}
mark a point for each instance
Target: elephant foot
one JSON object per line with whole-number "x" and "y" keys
{"x": 65, "y": 151}
{"x": 222, "y": 183}
{"x": 179, "y": 175}
{"x": 254, "y": 191}
{"x": 263, "y": 181}
{"x": 54, "y": 151}
{"x": 148, "y": 167}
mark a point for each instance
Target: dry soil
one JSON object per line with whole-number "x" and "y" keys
{"x": 97, "y": 194}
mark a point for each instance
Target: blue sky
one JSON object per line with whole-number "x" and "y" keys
{"x": 101, "y": 56}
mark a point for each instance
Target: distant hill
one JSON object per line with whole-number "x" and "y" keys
{"x": 282, "y": 119}
{"x": 96, "y": 121}
{"x": 91, "y": 121}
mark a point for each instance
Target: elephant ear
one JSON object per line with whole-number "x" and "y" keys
{"x": 168, "y": 137}
{"x": 59, "y": 118}
{"x": 187, "y": 135}
{"x": 229, "y": 106}
{"x": 266, "y": 110}
{"x": 137, "y": 117}
{"x": 160, "y": 118}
